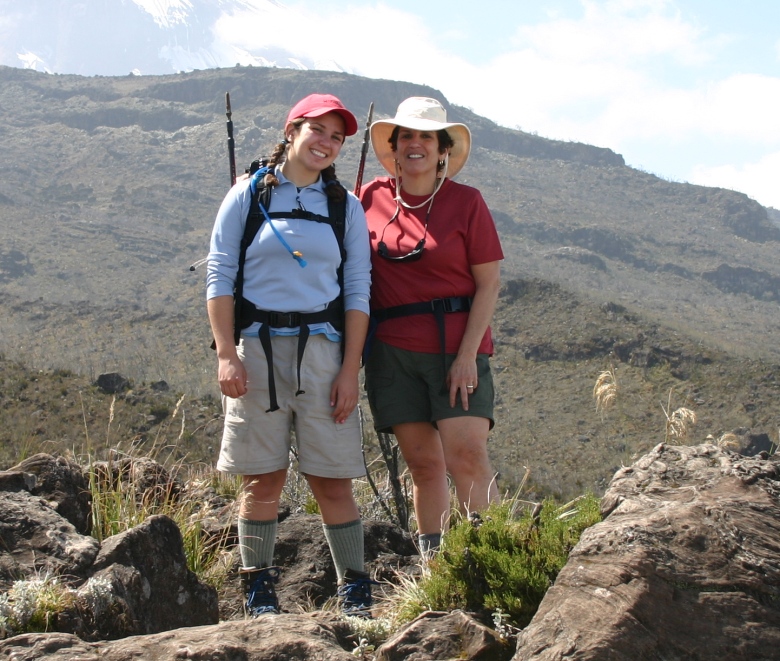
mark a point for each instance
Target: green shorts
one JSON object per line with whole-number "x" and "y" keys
{"x": 409, "y": 386}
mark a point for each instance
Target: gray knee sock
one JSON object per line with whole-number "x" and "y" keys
{"x": 256, "y": 541}
{"x": 429, "y": 542}
{"x": 346, "y": 546}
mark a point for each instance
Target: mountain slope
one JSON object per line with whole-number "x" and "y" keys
{"x": 109, "y": 187}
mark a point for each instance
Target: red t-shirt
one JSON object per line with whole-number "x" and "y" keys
{"x": 461, "y": 233}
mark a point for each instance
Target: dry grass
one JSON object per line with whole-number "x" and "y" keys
{"x": 678, "y": 423}
{"x": 605, "y": 391}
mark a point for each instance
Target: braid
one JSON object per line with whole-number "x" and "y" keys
{"x": 333, "y": 188}
{"x": 276, "y": 158}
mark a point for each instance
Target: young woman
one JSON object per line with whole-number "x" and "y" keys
{"x": 296, "y": 364}
{"x": 435, "y": 273}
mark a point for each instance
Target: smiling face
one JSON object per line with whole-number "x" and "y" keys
{"x": 314, "y": 145}
{"x": 418, "y": 152}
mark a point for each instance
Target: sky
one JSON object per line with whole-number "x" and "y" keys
{"x": 688, "y": 90}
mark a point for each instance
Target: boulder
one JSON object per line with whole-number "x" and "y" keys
{"x": 35, "y": 539}
{"x": 63, "y": 485}
{"x": 309, "y": 577}
{"x": 685, "y": 565}
{"x": 112, "y": 383}
{"x": 267, "y": 638}
{"x": 438, "y": 636}
{"x": 148, "y": 572}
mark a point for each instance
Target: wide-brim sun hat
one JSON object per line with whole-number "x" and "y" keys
{"x": 316, "y": 105}
{"x": 421, "y": 113}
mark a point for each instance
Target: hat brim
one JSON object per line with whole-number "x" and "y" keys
{"x": 382, "y": 129}
{"x": 350, "y": 123}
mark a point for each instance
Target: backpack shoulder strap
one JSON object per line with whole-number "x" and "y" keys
{"x": 337, "y": 213}
{"x": 260, "y": 194}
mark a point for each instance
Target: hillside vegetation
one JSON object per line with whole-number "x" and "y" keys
{"x": 109, "y": 186}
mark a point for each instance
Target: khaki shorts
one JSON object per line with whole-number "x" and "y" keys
{"x": 409, "y": 386}
{"x": 255, "y": 442}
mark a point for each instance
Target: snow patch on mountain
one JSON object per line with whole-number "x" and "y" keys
{"x": 153, "y": 37}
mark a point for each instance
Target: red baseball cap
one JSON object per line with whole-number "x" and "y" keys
{"x": 316, "y": 105}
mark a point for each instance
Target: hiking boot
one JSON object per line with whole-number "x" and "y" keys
{"x": 260, "y": 591}
{"x": 355, "y": 593}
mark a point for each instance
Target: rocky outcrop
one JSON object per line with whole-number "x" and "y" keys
{"x": 64, "y": 486}
{"x": 145, "y": 569}
{"x": 148, "y": 573}
{"x": 268, "y": 638}
{"x": 760, "y": 285}
{"x": 436, "y": 635}
{"x": 36, "y": 539}
{"x": 685, "y": 565}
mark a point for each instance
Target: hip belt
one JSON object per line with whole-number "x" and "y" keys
{"x": 332, "y": 314}
{"x": 438, "y": 307}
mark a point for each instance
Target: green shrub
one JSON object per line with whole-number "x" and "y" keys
{"x": 502, "y": 562}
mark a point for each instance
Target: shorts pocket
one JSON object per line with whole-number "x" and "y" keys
{"x": 236, "y": 424}
{"x": 379, "y": 374}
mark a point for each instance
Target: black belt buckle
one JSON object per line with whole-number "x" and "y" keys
{"x": 284, "y": 319}
{"x": 451, "y": 304}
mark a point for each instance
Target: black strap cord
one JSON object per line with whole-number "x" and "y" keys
{"x": 438, "y": 307}
{"x": 301, "y": 320}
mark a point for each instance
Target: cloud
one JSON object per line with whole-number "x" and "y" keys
{"x": 627, "y": 30}
{"x": 625, "y": 74}
{"x": 757, "y": 180}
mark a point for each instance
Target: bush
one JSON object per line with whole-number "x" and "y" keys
{"x": 502, "y": 562}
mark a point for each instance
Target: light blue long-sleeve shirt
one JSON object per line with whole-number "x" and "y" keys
{"x": 273, "y": 279}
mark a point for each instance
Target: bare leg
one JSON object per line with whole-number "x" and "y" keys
{"x": 464, "y": 441}
{"x": 421, "y": 447}
{"x": 335, "y": 498}
{"x": 261, "y": 495}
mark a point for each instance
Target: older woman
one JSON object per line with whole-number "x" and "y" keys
{"x": 435, "y": 280}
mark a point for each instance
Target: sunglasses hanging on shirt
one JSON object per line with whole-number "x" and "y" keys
{"x": 412, "y": 256}
{"x": 417, "y": 252}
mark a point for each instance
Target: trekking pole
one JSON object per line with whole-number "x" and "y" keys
{"x": 231, "y": 141}
{"x": 231, "y": 158}
{"x": 364, "y": 150}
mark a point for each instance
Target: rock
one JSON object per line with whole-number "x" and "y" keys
{"x": 148, "y": 480}
{"x": 63, "y": 485}
{"x": 437, "y": 636}
{"x": 755, "y": 444}
{"x": 112, "y": 383}
{"x": 37, "y": 540}
{"x": 309, "y": 577}
{"x": 266, "y": 638}
{"x": 148, "y": 572}
{"x": 17, "y": 481}
{"x": 684, "y": 566}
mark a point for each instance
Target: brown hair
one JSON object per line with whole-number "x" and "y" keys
{"x": 445, "y": 141}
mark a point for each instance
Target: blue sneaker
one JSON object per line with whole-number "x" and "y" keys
{"x": 355, "y": 594}
{"x": 260, "y": 591}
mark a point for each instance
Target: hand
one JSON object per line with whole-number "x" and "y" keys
{"x": 462, "y": 374}
{"x": 344, "y": 395}
{"x": 232, "y": 377}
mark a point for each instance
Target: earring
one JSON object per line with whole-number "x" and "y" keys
{"x": 441, "y": 164}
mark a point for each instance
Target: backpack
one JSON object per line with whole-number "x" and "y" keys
{"x": 261, "y": 195}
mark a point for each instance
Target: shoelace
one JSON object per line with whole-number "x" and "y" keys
{"x": 357, "y": 593}
{"x": 262, "y": 594}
